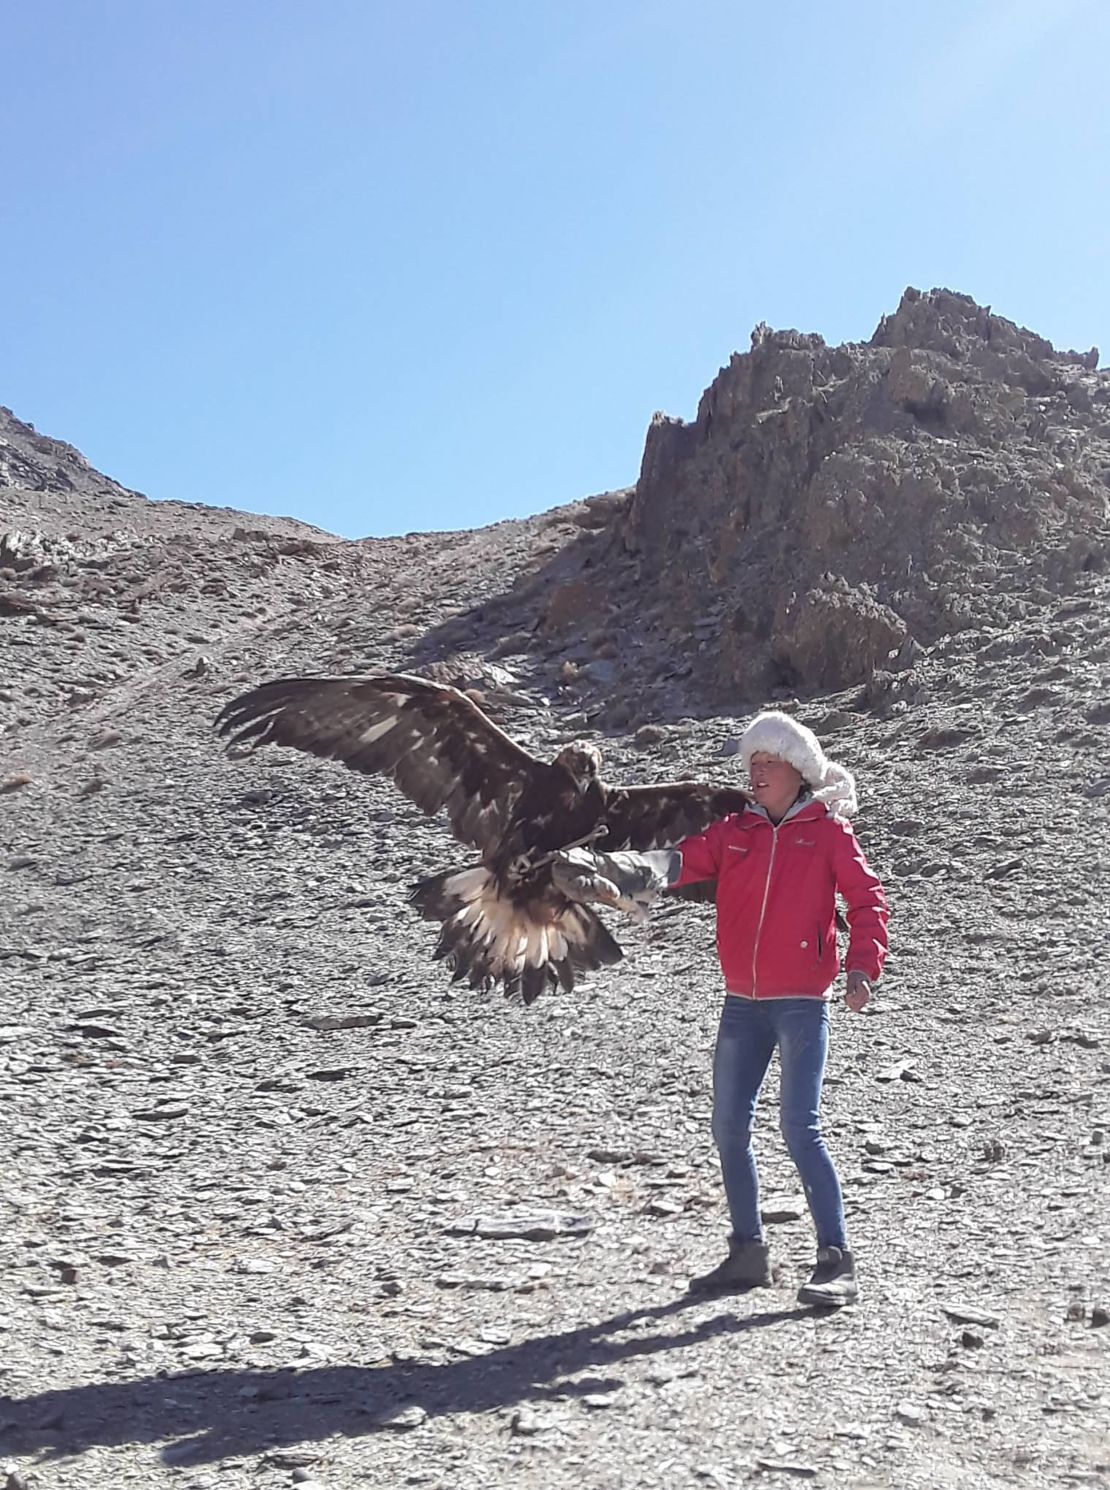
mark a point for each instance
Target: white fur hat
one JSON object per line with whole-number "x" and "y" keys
{"x": 775, "y": 733}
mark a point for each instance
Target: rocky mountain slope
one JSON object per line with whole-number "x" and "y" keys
{"x": 282, "y": 1207}
{"x": 836, "y": 507}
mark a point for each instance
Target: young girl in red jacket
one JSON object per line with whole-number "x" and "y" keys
{"x": 779, "y": 865}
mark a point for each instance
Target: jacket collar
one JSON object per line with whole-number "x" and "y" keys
{"x": 803, "y": 804}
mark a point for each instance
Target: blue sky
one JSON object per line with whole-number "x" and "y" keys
{"x": 433, "y": 263}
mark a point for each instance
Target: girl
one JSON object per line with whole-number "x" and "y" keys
{"x": 778, "y": 865}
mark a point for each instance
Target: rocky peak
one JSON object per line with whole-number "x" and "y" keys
{"x": 954, "y": 325}
{"x": 833, "y": 508}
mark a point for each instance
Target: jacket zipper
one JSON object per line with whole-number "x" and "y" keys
{"x": 763, "y": 907}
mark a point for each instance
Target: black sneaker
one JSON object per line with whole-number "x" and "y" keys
{"x": 833, "y": 1281}
{"x": 748, "y": 1265}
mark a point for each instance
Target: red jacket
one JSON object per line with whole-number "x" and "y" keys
{"x": 776, "y": 900}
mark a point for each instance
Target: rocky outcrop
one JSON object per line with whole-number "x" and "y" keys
{"x": 831, "y": 508}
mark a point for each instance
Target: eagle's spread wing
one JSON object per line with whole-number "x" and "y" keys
{"x": 435, "y": 743}
{"x": 646, "y": 817}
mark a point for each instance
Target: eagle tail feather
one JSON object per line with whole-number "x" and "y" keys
{"x": 565, "y": 974}
{"x": 535, "y": 980}
{"x": 489, "y": 937}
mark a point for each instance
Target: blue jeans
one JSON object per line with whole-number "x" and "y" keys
{"x": 749, "y": 1032}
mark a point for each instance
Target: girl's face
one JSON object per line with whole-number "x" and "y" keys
{"x": 775, "y": 783}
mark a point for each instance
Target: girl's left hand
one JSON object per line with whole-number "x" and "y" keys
{"x": 859, "y": 992}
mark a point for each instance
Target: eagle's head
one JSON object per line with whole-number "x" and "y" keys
{"x": 582, "y": 760}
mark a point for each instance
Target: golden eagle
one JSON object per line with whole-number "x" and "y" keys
{"x": 511, "y": 919}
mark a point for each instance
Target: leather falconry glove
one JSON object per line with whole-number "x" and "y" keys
{"x": 627, "y": 881}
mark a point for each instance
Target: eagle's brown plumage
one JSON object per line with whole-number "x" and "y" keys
{"x": 503, "y": 920}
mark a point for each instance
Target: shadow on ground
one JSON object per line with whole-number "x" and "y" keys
{"x": 211, "y": 1415}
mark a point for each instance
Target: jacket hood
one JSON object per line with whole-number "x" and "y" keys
{"x": 775, "y": 733}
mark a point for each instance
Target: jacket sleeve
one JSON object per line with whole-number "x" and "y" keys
{"x": 701, "y": 856}
{"x": 866, "y": 902}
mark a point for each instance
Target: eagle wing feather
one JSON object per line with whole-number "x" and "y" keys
{"x": 435, "y": 743}
{"x": 647, "y": 817}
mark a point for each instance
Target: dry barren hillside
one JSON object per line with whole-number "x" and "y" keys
{"x": 279, "y": 1206}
